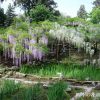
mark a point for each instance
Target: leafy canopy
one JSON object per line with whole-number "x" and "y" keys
{"x": 41, "y": 13}
{"x": 95, "y": 15}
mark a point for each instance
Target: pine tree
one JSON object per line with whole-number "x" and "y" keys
{"x": 96, "y": 3}
{"x": 95, "y": 15}
{"x": 2, "y": 17}
{"x": 1, "y": 0}
{"x": 10, "y": 15}
{"x": 82, "y": 12}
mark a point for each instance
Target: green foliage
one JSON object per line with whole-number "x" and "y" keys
{"x": 41, "y": 13}
{"x": 2, "y": 17}
{"x": 67, "y": 20}
{"x": 95, "y": 15}
{"x": 46, "y": 25}
{"x": 61, "y": 20}
{"x": 35, "y": 92}
{"x": 8, "y": 88}
{"x": 57, "y": 91}
{"x": 10, "y": 30}
{"x": 27, "y": 5}
{"x": 20, "y": 23}
{"x": 96, "y": 3}
{"x": 75, "y": 19}
{"x": 10, "y": 15}
{"x": 19, "y": 19}
{"x": 22, "y": 26}
{"x": 82, "y": 12}
{"x": 69, "y": 71}
{"x": 2, "y": 30}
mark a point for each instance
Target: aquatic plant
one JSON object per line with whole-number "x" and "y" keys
{"x": 7, "y": 88}
{"x": 80, "y": 72}
{"x": 57, "y": 91}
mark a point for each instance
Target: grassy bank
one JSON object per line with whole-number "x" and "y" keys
{"x": 69, "y": 71}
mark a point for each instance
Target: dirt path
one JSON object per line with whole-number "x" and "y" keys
{"x": 25, "y": 81}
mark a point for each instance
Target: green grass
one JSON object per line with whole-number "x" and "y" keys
{"x": 13, "y": 91}
{"x": 69, "y": 71}
{"x": 35, "y": 92}
{"x": 7, "y": 88}
{"x": 57, "y": 92}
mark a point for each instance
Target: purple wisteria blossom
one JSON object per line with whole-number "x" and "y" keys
{"x": 23, "y": 49}
{"x": 32, "y": 41}
{"x": 34, "y": 53}
{"x": 16, "y": 61}
{"x": 40, "y": 55}
{"x": 11, "y": 39}
{"x": 44, "y": 40}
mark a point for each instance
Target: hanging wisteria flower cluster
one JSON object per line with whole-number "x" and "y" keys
{"x": 27, "y": 46}
{"x": 70, "y": 35}
{"x": 88, "y": 49}
{"x": 24, "y": 46}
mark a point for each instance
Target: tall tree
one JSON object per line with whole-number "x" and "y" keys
{"x": 1, "y": 0}
{"x": 27, "y": 5}
{"x": 10, "y": 15}
{"x": 96, "y": 3}
{"x": 95, "y": 15}
{"x": 41, "y": 13}
{"x": 82, "y": 12}
{"x": 2, "y": 17}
